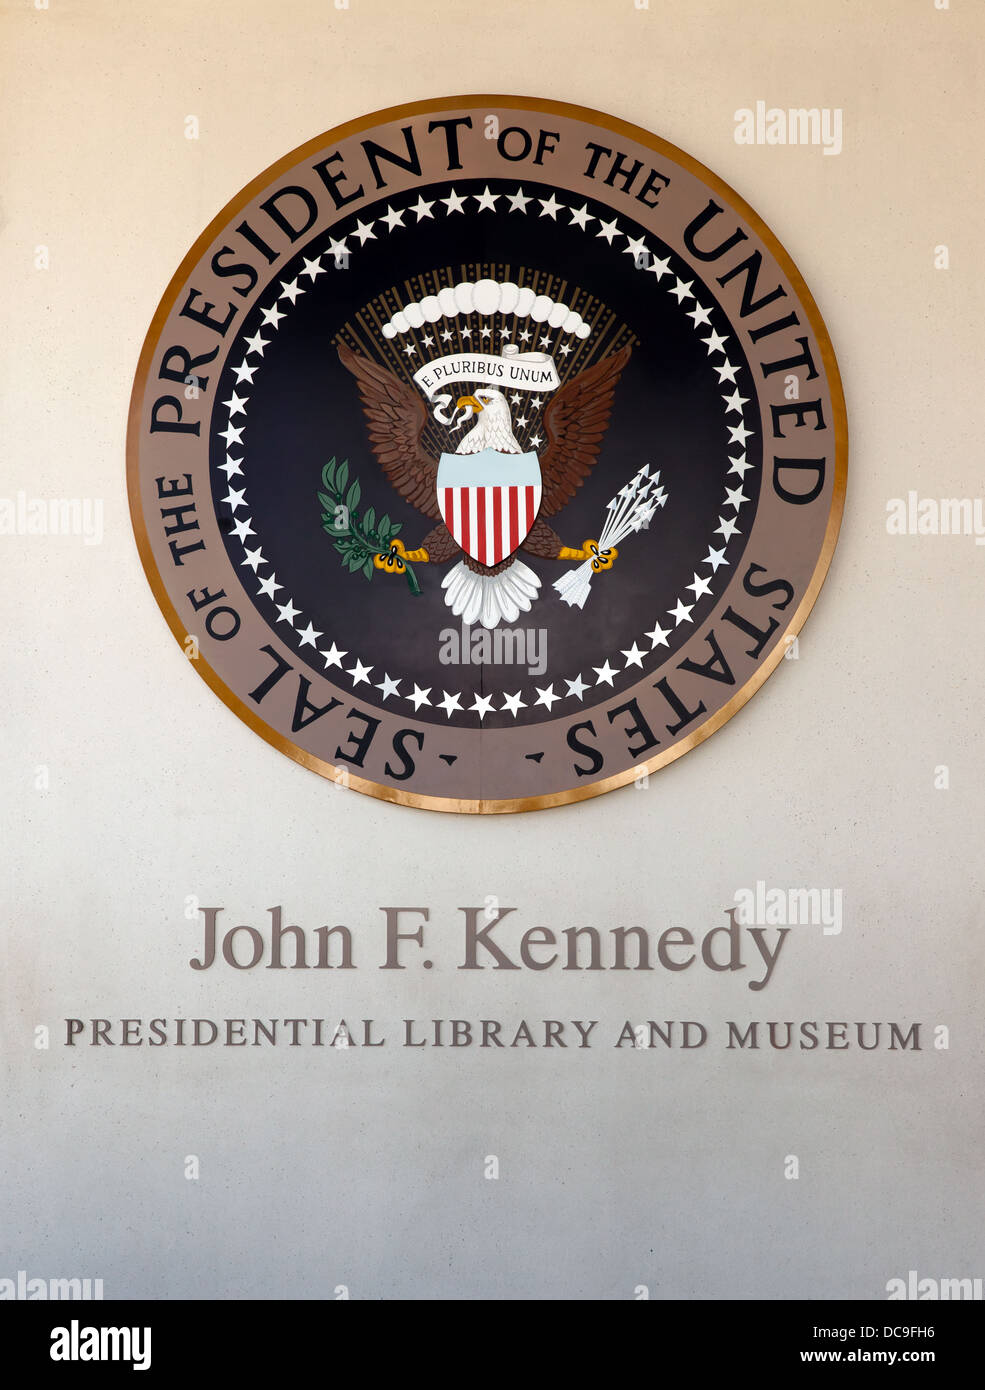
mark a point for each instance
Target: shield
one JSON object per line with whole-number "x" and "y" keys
{"x": 489, "y": 501}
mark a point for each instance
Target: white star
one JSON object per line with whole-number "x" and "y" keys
{"x": 231, "y": 435}
{"x": 244, "y": 372}
{"x": 716, "y": 343}
{"x": 545, "y": 342}
{"x": 565, "y": 349}
{"x": 734, "y": 497}
{"x": 269, "y": 586}
{"x": 419, "y": 697}
{"x": 536, "y": 402}
{"x": 481, "y": 705}
{"x": 738, "y": 434}
{"x": 389, "y": 687}
{"x": 516, "y": 398}
{"x": 581, "y": 218}
{"x": 726, "y": 373}
{"x": 546, "y": 696}
{"x": 636, "y": 247}
{"x": 608, "y": 230}
{"x": 454, "y": 202}
{"x": 450, "y": 703}
{"x": 701, "y": 317}
{"x": 410, "y": 350}
{"x": 700, "y": 586}
{"x": 427, "y": 341}
{"x": 235, "y": 499}
{"x": 605, "y": 673}
{"x": 634, "y": 657}
{"x": 577, "y": 687}
{"x": 273, "y": 316}
{"x": 658, "y": 636}
{"x": 728, "y": 529}
{"x": 522, "y": 421}
{"x": 550, "y": 207}
{"x": 422, "y": 209}
{"x": 680, "y": 291}
{"x": 236, "y": 404}
{"x": 734, "y": 402}
{"x": 485, "y": 333}
{"x": 659, "y": 268}
{"x": 466, "y": 333}
{"x": 254, "y": 558}
{"x": 338, "y": 249}
{"x": 333, "y": 657}
{"x": 290, "y": 291}
{"x": 231, "y": 466}
{"x": 682, "y": 612}
{"x": 309, "y": 637}
{"x": 513, "y": 703}
{"x": 286, "y": 612}
{"x": 392, "y": 218}
{"x": 359, "y": 672}
{"x": 363, "y": 231}
{"x": 487, "y": 203}
{"x": 256, "y": 344}
{"x": 313, "y": 268}
{"x": 524, "y": 336}
{"x": 536, "y": 440}
{"x": 518, "y": 201}
{"x": 447, "y": 335}
{"x": 715, "y": 558}
{"x": 740, "y": 465}
{"x": 243, "y": 529}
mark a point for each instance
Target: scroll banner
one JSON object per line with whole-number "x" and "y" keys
{"x": 512, "y": 371}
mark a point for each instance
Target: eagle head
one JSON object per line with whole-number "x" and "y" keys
{"x": 493, "y": 428}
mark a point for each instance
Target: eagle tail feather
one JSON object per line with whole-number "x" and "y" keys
{"x": 490, "y": 598}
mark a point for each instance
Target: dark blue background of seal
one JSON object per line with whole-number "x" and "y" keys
{"x": 668, "y": 412}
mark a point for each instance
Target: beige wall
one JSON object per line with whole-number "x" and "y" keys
{"x": 363, "y": 1168}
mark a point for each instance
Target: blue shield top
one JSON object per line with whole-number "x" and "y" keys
{"x": 489, "y": 468}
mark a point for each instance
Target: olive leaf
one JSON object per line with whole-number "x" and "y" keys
{"x": 357, "y": 540}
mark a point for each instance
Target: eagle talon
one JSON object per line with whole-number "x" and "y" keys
{"x": 393, "y": 561}
{"x": 601, "y": 559}
{"x": 390, "y": 561}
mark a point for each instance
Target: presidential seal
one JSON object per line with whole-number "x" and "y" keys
{"x": 486, "y": 454}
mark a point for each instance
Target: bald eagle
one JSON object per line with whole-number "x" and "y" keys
{"x": 575, "y": 423}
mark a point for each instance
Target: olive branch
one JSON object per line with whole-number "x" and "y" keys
{"x": 358, "y": 539}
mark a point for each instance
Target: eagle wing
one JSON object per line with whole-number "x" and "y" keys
{"x": 575, "y": 422}
{"x": 395, "y": 416}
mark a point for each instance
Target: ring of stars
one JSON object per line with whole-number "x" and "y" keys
{"x": 342, "y": 662}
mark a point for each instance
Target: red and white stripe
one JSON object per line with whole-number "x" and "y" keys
{"x": 489, "y": 523}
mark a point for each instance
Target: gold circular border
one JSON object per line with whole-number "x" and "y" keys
{"x": 619, "y": 779}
